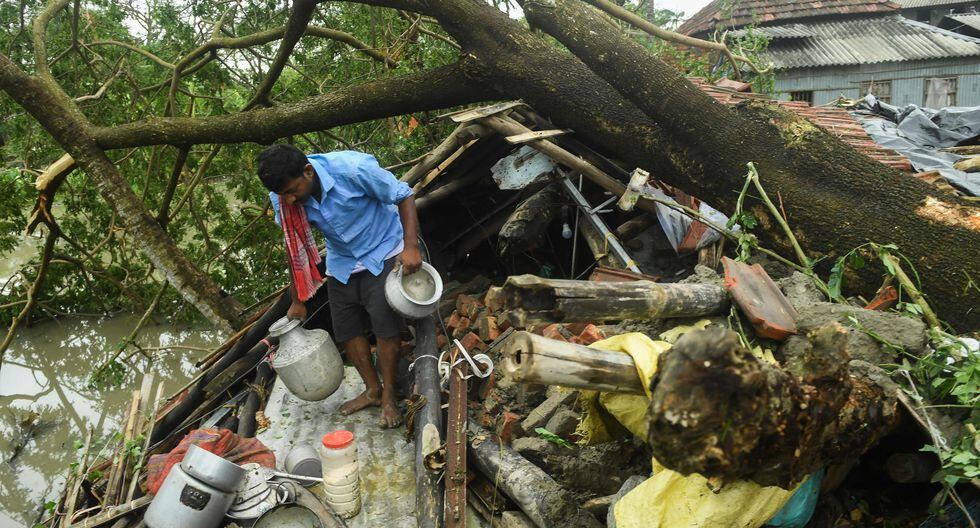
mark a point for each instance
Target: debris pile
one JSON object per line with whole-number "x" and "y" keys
{"x": 598, "y": 359}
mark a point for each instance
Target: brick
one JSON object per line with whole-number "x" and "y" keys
{"x": 453, "y": 321}
{"x": 468, "y": 306}
{"x": 441, "y": 341}
{"x": 462, "y": 327}
{"x": 542, "y": 413}
{"x": 554, "y": 331}
{"x": 494, "y": 299}
{"x": 506, "y": 425}
{"x": 486, "y": 325}
{"x": 472, "y": 343}
{"x": 590, "y": 334}
{"x": 575, "y": 328}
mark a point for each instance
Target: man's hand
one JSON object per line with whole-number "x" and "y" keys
{"x": 297, "y": 310}
{"x": 410, "y": 259}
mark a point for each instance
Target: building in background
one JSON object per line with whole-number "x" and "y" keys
{"x": 824, "y": 50}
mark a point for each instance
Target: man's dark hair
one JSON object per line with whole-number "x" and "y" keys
{"x": 280, "y": 163}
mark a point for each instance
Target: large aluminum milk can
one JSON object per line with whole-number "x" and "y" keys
{"x": 307, "y": 360}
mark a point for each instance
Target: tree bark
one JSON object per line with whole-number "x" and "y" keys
{"x": 72, "y": 132}
{"x": 718, "y": 410}
{"x": 525, "y": 228}
{"x": 415, "y": 92}
{"x": 815, "y": 173}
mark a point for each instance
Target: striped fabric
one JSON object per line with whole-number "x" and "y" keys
{"x": 300, "y": 249}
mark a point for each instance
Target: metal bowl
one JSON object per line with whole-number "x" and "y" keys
{"x": 304, "y": 460}
{"x": 212, "y": 469}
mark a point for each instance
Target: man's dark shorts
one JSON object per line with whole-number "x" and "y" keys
{"x": 360, "y": 305}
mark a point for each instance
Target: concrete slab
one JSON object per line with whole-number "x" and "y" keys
{"x": 385, "y": 460}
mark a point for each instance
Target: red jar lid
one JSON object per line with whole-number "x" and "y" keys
{"x": 338, "y": 439}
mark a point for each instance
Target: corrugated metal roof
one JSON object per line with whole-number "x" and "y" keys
{"x": 868, "y": 41}
{"x": 970, "y": 19}
{"x": 782, "y": 31}
{"x": 911, "y": 4}
{"x": 765, "y": 12}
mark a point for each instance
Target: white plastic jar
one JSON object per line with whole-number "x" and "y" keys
{"x": 341, "y": 484}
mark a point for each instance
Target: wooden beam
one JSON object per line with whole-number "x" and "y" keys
{"x": 483, "y": 111}
{"x": 454, "y": 514}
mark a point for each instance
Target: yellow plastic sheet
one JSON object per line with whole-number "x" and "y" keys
{"x": 668, "y": 499}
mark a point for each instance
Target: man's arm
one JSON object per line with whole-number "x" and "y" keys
{"x": 410, "y": 257}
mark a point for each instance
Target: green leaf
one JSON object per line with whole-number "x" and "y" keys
{"x": 552, "y": 437}
{"x": 749, "y": 221}
{"x": 856, "y": 261}
{"x": 50, "y": 506}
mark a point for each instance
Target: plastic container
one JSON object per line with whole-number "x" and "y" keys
{"x": 341, "y": 483}
{"x": 307, "y": 360}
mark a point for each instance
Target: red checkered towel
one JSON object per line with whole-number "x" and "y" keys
{"x": 300, "y": 249}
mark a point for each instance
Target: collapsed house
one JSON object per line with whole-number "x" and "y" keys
{"x": 749, "y": 391}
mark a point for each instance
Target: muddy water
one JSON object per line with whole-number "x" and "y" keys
{"x": 45, "y": 406}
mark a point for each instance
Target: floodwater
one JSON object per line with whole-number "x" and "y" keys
{"x": 46, "y": 406}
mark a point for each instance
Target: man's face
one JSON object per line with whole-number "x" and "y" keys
{"x": 298, "y": 189}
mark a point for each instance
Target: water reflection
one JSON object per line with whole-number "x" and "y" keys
{"x": 46, "y": 406}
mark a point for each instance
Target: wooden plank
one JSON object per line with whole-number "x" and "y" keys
{"x": 454, "y": 513}
{"x": 483, "y": 111}
{"x": 437, "y": 170}
{"x": 536, "y": 134}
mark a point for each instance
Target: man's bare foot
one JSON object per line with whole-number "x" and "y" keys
{"x": 391, "y": 417}
{"x": 368, "y": 398}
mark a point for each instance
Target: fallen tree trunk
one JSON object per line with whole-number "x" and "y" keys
{"x": 538, "y": 495}
{"x": 532, "y": 300}
{"x": 718, "y": 410}
{"x": 530, "y": 358}
{"x": 815, "y": 173}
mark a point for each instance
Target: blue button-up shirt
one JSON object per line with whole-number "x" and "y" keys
{"x": 356, "y": 212}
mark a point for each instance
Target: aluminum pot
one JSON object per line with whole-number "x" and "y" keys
{"x": 212, "y": 469}
{"x": 414, "y": 296}
{"x": 185, "y": 502}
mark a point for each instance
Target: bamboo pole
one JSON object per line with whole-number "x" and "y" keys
{"x": 530, "y": 358}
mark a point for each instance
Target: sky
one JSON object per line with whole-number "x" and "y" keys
{"x": 689, "y": 7}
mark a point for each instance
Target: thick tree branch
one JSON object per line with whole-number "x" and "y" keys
{"x": 40, "y": 28}
{"x": 442, "y": 87}
{"x": 299, "y": 18}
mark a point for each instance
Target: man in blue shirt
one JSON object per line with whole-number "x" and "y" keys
{"x": 369, "y": 222}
